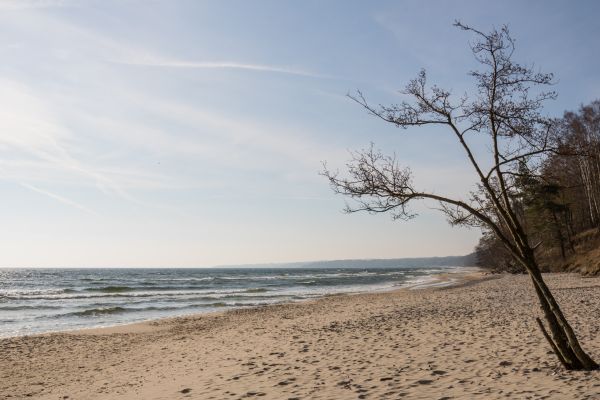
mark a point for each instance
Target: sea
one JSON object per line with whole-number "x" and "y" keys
{"x": 49, "y": 300}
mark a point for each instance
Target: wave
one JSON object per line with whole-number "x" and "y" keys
{"x": 256, "y": 290}
{"x": 144, "y": 287}
{"x": 308, "y": 283}
{"x": 187, "y": 279}
{"x": 93, "y": 312}
{"x": 102, "y": 311}
{"x": 111, "y": 289}
{"x": 26, "y": 307}
{"x": 147, "y": 292}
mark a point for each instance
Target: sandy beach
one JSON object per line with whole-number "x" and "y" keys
{"x": 475, "y": 340}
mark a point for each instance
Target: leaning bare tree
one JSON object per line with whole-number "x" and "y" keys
{"x": 506, "y": 109}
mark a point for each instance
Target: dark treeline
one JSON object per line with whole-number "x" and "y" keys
{"x": 559, "y": 202}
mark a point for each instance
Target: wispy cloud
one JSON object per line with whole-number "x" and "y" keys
{"x": 59, "y": 198}
{"x": 222, "y": 65}
{"x": 110, "y": 144}
{"x": 36, "y": 145}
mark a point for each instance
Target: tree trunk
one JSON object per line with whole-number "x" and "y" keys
{"x": 588, "y": 189}
{"x": 559, "y": 235}
{"x": 562, "y": 339}
{"x": 569, "y": 225}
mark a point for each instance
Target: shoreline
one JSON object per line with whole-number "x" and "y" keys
{"x": 476, "y": 340}
{"x": 442, "y": 279}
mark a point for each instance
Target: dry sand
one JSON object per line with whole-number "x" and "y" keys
{"x": 477, "y": 340}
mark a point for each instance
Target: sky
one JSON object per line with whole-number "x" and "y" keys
{"x": 191, "y": 133}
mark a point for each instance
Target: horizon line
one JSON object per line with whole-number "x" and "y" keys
{"x": 253, "y": 265}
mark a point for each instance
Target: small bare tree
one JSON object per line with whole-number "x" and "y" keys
{"x": 506, "y": 109}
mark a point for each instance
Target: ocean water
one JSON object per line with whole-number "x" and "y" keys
{"x": 47, "y": 300}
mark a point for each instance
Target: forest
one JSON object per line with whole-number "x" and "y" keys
{"x": 558, "y": 203}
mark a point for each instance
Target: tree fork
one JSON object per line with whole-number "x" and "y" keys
{"x": 571, "y": 354}
{"x": 561, "y": 358}
{"x": 558, "y": 340}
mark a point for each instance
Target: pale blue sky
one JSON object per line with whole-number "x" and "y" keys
{"x": 190, "y": 133}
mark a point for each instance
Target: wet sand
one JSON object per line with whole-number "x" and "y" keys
{"x": 475, "y": 340}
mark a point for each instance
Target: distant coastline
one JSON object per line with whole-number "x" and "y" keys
{"x": 408, "y": 262}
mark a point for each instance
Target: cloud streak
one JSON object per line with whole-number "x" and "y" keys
{"x": 59, "y": 198}
{"x": 36, "y": 145}
{"x": 223, "y": 65}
